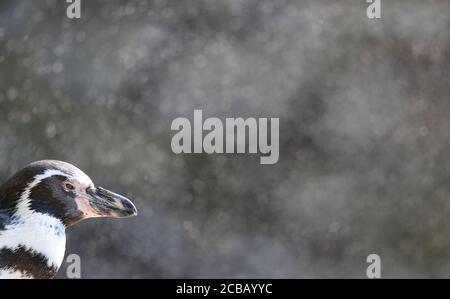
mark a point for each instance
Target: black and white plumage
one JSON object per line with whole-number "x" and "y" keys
{"x": 36, "y": 206}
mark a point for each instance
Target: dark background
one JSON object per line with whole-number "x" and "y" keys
{"x": 364, "y": 131}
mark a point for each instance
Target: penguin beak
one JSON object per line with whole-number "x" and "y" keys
{"x": 104, "y": 203}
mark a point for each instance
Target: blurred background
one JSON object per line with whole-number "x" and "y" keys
{"x": 364, "y": 132}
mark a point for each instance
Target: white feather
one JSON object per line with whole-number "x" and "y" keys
{"x": 12, "y": 274}
{"x": 36, "y": 231}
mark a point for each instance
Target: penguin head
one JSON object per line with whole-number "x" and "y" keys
{"x": 63, "y": 191}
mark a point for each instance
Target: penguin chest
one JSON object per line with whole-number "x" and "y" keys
{"x": 32, "y": 248}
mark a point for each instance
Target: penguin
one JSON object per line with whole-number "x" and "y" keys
{"x": 37, "y": 205}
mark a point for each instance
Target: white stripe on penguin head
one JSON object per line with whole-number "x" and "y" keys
{"x": 23, "y": 206}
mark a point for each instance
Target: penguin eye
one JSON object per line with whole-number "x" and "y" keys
{"x": 69, "y": 186}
